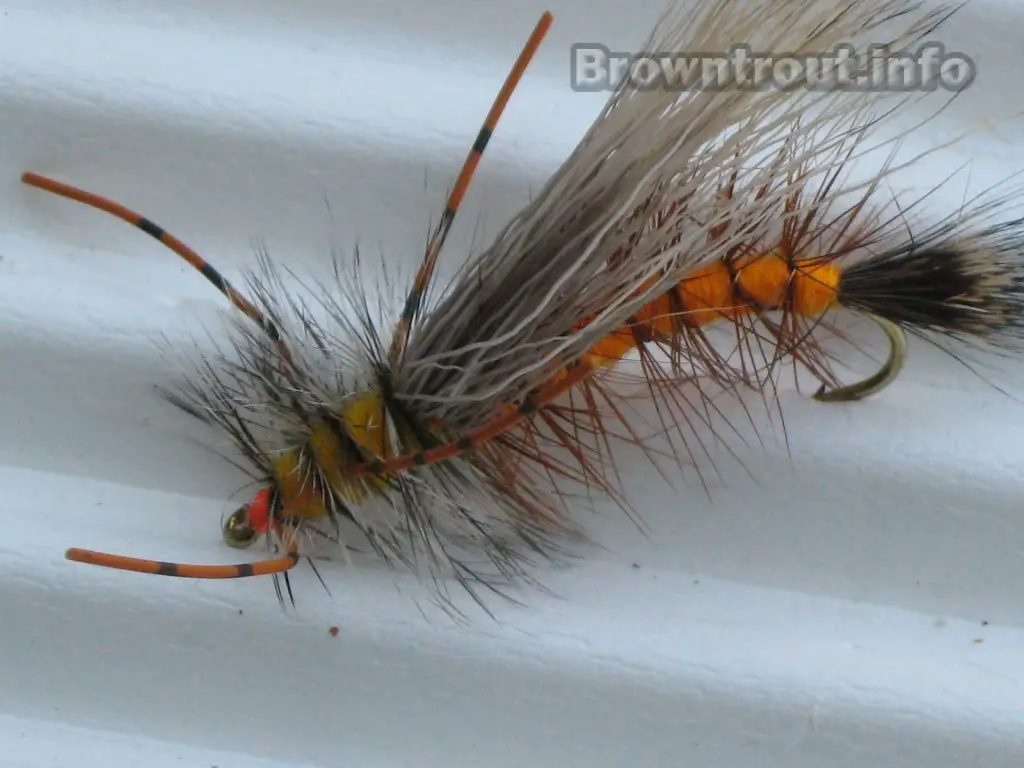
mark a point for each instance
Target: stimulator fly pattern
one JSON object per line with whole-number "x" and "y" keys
{"x": 450, "y": 434}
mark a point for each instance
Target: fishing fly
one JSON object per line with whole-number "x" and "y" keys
{"x": 678, "y": 211}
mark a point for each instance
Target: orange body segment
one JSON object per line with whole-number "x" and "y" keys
{"x": 763, "y": 282}
{"x": 707, "y": 295}
{"x": 712, "y": 293}
{"x": 816, "y": 288}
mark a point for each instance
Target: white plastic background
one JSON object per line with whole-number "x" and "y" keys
{"x": 855, "y": 600}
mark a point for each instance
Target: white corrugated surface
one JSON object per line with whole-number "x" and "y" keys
{"x": 828, "y": 611}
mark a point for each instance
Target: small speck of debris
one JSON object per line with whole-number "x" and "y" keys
{"x": 333, "y": 631}
{"x": 979, "y": 640}
{"x": 984, "y": 623}
{"x": 240, "y": 611}
{"x": 696, "y": 581}
{"x": 636, "y": 565}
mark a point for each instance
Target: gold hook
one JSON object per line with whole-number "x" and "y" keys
{"x": 880, "y": 380}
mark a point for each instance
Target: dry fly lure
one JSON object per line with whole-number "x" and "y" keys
{"x": 678, "y": 211}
